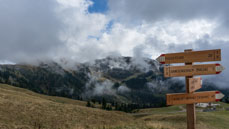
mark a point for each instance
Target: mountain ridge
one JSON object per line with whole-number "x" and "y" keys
{"x": 118, "y": 79}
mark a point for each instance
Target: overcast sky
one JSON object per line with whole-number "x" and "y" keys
{"x": 84, "y": 30}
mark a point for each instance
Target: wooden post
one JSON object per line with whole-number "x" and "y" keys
{"x": 190, "y": 108}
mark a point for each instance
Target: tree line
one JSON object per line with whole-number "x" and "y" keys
{"x": 126, "y": 107}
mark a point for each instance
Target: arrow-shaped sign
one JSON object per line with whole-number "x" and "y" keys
{"x": 218, "y": 96}
{"x": 190, "y": 56}
{"x": 194, "y": 84}
{"x": 191, "y": 70}
{"x": 197, "y": 97}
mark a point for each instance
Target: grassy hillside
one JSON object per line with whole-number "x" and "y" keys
{"x": 23, "y": 109}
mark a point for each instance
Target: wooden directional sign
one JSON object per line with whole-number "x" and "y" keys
{"x": 191, "y": 56}
{"x": 195, "y": 84}
{"x": 197, "y": 97}
{"x": 191, "y": 70}
{"x": 192, "y": 84}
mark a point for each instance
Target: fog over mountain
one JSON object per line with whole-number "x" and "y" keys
{"x": 67, "y": 31}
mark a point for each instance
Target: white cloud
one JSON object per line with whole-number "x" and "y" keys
{"x": 65, "y": 29}
{"x": 154, "y": 38}
{"x": 79, "y": 4}
{"x": 81, "y": 30}
{"x": 57, "y": 29}
{"x": 155, "y": 10}
{"x": 121, "y": 39}
{"x": 32, "y": 30}
{"x": 123, "y": 89}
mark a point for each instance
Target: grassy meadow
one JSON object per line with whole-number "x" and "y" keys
{"x": 24, "y": 109}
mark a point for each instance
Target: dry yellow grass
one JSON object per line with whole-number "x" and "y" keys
{"x": 23, "y": 109}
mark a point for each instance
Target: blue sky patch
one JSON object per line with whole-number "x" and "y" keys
{"x": 93, "y": 37}
{"x": 99, "y": 6}
{"x": 109, "y": 25}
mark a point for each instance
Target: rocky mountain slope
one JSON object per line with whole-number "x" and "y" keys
{"x": 118, "y": 79}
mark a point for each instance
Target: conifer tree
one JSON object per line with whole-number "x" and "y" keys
{"x": 88, "y": 104}
{"x": 104, "y": 104}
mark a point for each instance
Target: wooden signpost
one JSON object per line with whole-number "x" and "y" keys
{"x": 192, "y": 84}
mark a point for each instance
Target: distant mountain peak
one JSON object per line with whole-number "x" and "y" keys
{"x": 121, "y": 79}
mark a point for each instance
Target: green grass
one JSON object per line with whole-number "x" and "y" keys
{"x": 169, "y": 109}
{"x": 174, "y": 117}
{"x": 218, "y": 119}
